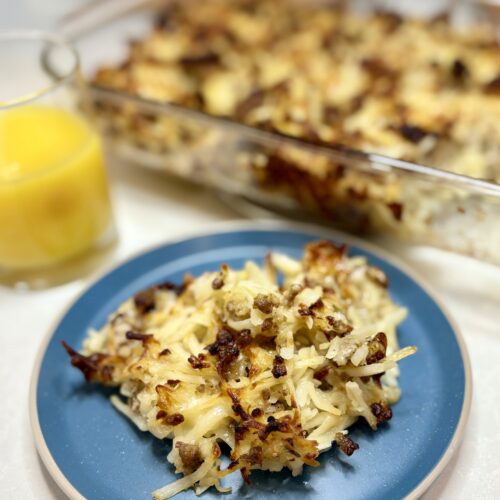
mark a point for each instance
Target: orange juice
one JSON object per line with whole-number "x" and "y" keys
{"x": 53, "y": 189}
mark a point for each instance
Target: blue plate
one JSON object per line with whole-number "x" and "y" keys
{"x": 94, "y": 452}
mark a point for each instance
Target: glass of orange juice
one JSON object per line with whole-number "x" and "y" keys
{"x": 56, "y": 221}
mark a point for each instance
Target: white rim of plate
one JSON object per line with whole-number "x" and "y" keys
{"x": 260, "y": 225}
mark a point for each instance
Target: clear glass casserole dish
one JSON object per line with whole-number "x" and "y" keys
{"x": 291, "y": 171}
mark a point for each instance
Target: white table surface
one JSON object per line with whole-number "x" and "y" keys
{"x": 151, "y": 209}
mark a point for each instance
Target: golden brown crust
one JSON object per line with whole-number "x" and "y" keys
{"x": 325, "y": 75}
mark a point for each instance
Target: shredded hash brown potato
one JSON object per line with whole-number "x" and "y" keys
{"x": 278, "y": 371}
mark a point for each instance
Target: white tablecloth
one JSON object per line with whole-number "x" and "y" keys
{"x": 150, "y": 209}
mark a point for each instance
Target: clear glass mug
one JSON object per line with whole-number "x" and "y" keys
{"x": 56, "y": 220}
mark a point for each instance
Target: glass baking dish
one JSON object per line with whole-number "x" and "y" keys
{"x": 358, "y": 191}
